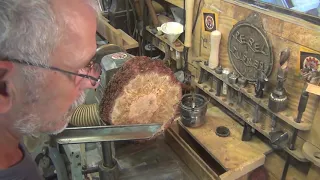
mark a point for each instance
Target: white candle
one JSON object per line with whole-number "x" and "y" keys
{"x": 214, "y": 53}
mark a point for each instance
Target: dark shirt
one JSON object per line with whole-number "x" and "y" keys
{"x": 26, "y": 169}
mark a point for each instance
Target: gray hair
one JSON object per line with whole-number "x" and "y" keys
{"x": 29, "y": 30}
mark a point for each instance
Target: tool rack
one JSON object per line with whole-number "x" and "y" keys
{"x": 208, "y": 86}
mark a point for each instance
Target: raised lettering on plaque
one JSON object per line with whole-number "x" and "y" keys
{"x": 249, "y": 48}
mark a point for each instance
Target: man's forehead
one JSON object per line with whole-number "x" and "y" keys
{"x": 79, "y": 27}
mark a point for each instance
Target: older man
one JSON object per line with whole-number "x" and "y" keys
{"x": 45, "y": 52}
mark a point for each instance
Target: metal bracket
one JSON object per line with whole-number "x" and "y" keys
{"x": 74, "y": 156}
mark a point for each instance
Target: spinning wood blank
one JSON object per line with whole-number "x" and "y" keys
{"x": 143, "y": 91}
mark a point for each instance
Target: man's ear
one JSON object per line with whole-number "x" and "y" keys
{"x": 6, "y": 68}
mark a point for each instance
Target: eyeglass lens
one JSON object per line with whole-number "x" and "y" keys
{"x": 95, "y": 71}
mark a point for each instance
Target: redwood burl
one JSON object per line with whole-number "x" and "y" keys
{"x": 142, "y": 91}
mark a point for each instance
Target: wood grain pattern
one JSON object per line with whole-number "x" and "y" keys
{"x": 230, "y": 151}
{"x": 195, "y": 36}
{"x": 288, "y": 27}
{"x": 188, "y": 155}
{"x": 274, "y": 164}
{"x": 314, "y": 135}
{"x": 294, "y": 83}
{"x": 178, "y": 3}
{"x": 303, "y": 36}
{"x": 128, "y": 42}
{"x": 314, "y": 173}
{"x": 244, "y": 168}
{"x": 152, "y": 12}
{"x": 115, "y": 36}
{"x": 313, "y": 89}
{"x": 226, "y": 24}
{"x": 309, "y": 151}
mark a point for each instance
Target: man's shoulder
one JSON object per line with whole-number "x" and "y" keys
{"x": 26, "y": 169}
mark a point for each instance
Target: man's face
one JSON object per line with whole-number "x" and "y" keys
{"x": 48, "y": 105}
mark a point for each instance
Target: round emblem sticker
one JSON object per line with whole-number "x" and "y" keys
{"x": 119, "y": 55}
{"x": 209, "y": 22}
{"x": 311, "y": 63}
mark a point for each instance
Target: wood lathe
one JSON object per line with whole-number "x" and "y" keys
{"x": 239, "y": 96}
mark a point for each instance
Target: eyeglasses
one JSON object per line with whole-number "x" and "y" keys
{"x": 91, "y": 68}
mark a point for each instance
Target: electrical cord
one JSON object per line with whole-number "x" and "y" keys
{"x": 185, "y": 49}
{"x": 128, "y": 18}
{"x": 187, "y": 77}
{"x": 144, "y": 24}
{"x": 134, "y": 34}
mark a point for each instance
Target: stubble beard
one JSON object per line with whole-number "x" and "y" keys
{"x": 31, "y": 123}
{"x": 67, "y": 116}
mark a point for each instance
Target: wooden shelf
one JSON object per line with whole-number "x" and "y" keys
{"x": 161, "y": 46}
{"x": 196, "y": 164}
{"x": 245, "y": 116}
{"x": 115, "y": 36}
{"x": 263, "y": 102}
{"x": 163, "y": 39}
{"x": 312, "y": 153}
{"x": 178, "y": 3}
{"x": 234, "y": 155}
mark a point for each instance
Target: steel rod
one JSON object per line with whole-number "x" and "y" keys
{"x": 107, "y": 154}
{"x": 285, "y": 168}
{"x": 293, "y": 140}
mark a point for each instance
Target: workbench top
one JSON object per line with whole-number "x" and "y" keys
{"x": 236, "y": 156}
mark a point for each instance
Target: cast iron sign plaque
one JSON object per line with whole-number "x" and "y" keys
{"x": 249, "y": 49}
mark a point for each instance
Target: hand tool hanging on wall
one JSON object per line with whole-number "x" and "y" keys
{"x": 301, "y": 108}
{"x": 219, "y": 82}
{"x": 242, "y": 82}
{"x": 189, "y": 29}
{"x": 273, "y": 122}
{"x": 138, "y": 9}
{"x": 257, "y": 113}
{"x": 262, "y": 79}
{"x": 189, "y": 21}
{"x": 278, "y": 139}
{"x": 212, "y": 81}
{"x": 203, "y": 76}
{"x": 278, "y": 99}
{"x": 188, "y": 15}
{"x": 141, "y": 4}
{"x": 232, "y": 79}
{"x": 219, "y": 86}
{"x": 239, "y": 98}
{"x": 247, "y": 133}
{"x": 225, "y": 73}
{"x": 153, "y": 14}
